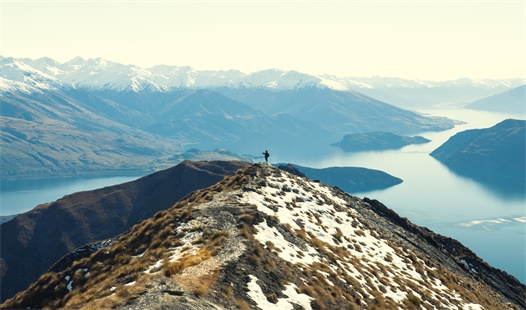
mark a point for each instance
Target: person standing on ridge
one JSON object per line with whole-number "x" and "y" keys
{"x": 266, "y": 155}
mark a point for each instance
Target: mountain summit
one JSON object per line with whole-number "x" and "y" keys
{"x": 267, "y": 239}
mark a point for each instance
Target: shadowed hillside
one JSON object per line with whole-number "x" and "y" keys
{"x": 502, "y": 146}
{"x": 33, "y": 241}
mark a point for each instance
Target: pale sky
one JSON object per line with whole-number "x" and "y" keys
{"x": 434, "y": 40}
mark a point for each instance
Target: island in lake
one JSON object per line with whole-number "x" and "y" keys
{"x": 377, "y": 141}
{"x": 494, "y": 157}
{"x": 349, "y": 179}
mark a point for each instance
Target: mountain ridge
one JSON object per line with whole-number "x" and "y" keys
{"x": 91, "y": 216}
{"x": 511, "y": 101}
{"x": 100, "y": 74}
{"x": 68, "y": 129}
{"x": 266, "y": 239}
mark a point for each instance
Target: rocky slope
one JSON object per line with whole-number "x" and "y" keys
{"x": 33, "y": 241}
{"x": 266, "y": 239}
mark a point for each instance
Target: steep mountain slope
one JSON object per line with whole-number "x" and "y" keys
{"x": 304, "y": 97}
{"x": 341, "y": 112}
{"x": 270, "y": 240}
{"x": 511, "y": 101}
{"x": 48, "y": 133}
{"x": 209, "y": 117}
{"x": 502, "y": 146}
{"x": 33, "y": 241}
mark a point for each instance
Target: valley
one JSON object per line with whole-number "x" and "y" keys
{"x": 87, "y": 116}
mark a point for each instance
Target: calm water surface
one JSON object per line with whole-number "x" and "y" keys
{"x": 490, "y": 219}
{"x": 21, "y": 196}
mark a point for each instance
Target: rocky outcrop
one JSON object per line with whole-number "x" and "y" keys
{"x": 292, "y": 170}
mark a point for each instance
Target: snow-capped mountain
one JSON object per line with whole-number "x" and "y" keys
{"x": 102, "y": 74}
{"x": 17, "y": 75}
{"x": 267, "y": 239}
{"x": 133, "y": 111}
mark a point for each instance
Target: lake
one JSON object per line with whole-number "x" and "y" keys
{"x": 488, "y": 218}
{"x": 23, "y": 195}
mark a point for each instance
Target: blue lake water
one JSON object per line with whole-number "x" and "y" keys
{"x": 23, "y": 195}
{"x": 488, "y": 218}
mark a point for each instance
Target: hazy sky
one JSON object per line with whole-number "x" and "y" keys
{"x": 411, "y": 39}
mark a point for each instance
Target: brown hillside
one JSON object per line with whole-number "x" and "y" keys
{"x": 266, "y": 239}
{"x": 33, "y": 241}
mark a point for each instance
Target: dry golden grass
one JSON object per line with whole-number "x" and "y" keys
{"x": 359, "y": 232}
{"x": 188, "y": 260}
{"x": 241, "y": 304}
{"x": 248, "y": 232}
{"x": 200, "y": 278}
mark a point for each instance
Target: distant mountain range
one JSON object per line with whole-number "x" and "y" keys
{"x": 511, "y": 101}
{"x": 261, "y": 239}
{"x": 101, "y": 74}
{"x": 88, "y": 117}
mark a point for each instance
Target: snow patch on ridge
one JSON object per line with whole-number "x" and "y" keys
{"x": 373, "y": 262}
{"x": 256, "y": 294}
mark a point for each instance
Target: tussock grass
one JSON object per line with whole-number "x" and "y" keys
{"x": 186, "y": 261}
{"x": 241, "y": 304}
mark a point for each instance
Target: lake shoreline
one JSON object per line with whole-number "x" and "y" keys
{"x": 81, "y": 174}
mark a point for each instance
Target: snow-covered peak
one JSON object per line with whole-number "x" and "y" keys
{"x": 25, "y": 76}
{"x": 45, "y": 64}
{"x": 277, "y": 79}
{"x": 99, "y": 73}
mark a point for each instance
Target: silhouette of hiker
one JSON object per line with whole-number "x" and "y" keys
{"x": 266, "y": 155}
